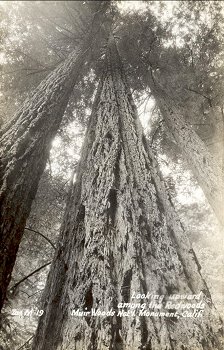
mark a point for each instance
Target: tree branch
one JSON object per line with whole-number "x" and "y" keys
{"x": 199, "y": 93}
{"x": 37, "y": 71}
{"x": 42, "y": 235}
{"x": 16, "y": 49}
{"x": 32, "y": 70}
{"x": 26, "y": 343}
{"x": 31, "y": 274}
{"x": 55, "y": 24}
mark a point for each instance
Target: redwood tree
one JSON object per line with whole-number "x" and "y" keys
{"x": 120, "y": 234}
{"x": 203, "y": 164}
{"x": 25, "y": 143}
{"x": 166, "y": 74}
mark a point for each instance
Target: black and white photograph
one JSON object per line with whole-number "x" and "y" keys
{"x": 112, "y": 175}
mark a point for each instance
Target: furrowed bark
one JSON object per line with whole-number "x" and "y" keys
{"x": 204, "y": 165}
{"x": 120, "y": 234}
{"x": 25, "y": 143}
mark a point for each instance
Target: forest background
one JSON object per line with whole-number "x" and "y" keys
{"x": 181, "y": 43}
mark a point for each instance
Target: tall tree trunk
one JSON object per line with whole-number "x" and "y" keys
{"x": 207, "y": 171}
{"x": 120, "y": 235}
{"x": 25, "y": 143}
{"x": 222, "y": 140}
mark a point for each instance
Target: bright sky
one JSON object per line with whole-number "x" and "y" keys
{"x": 127, "y": 6}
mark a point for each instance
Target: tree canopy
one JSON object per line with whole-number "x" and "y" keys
{"x": 178, "y": 46}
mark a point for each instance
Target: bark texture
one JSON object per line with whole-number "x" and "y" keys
{"x": 25, "y": 143}
{"x": 120, "y": 234}
{"x": 204, "y": 165}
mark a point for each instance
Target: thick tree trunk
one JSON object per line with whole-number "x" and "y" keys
{"x": 204, "y": 165}
{"x": 25, "y": 147}
{"x": 222, "y": 141}
{"x": 120, "y": 235}
{"x": 25, "y": 143}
